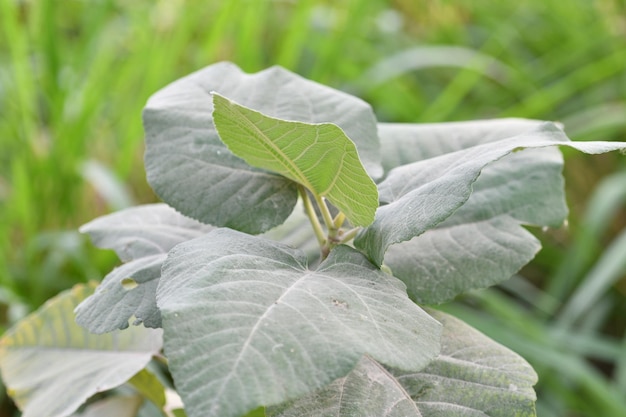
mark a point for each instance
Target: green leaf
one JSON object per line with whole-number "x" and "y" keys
{"x": 367, "y": 391}
{"x": 77, "y": 363}
{"x": 484, "y": 242}
{"x": 149, "y": 386}
{"x": 421, "y": 195}
{"x": 405, "y": 143}
{"x": 318, "y": 156}
{"x": 141, "y": 236}
{"x": 247, "y": 324}
{"x": 192, "y": 170}
{"x": 490, "y": 245}
{"x": 473, "y": 376}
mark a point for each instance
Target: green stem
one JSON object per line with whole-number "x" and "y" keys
{"x": 328, "y": 219}
{"x": 334, "y": 236}
{"x": 310, "y": 212}
{"x": 349, "y": 235}
{"x": 339, "y": 219}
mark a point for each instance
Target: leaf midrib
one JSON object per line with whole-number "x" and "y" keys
{"x": 285, "y": 161}
{"x": 253, "y": 332}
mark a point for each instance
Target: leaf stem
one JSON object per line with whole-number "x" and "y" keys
{"x": 310, "y": 212}
{"x": 349, "y": 235}
{"x": 339, "y": 219}
{"x": 333, "y": 235}
{"x": 328, "y": 219}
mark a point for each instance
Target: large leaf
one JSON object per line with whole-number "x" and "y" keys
{"x": 421, "y": 195}
{"x": 405, "y": 143}
{"x": 484, "y": 242}
{"x": 368, "y": 391}
{"x": 473, "y": 376}
{"x": 247, "y": 324}
{"x": 489, "y": 244}
{"x": 193, "y": 171}
{"x": 141, "y": 236}
{"x": 318, "y": 156}
{"x": 51, "y": 365}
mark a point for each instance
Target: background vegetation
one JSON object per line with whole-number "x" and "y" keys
{"x": 74, "y": 76}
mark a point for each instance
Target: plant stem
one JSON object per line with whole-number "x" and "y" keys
{"x": 310, "y": 212}
{"x": 328, "y": 219}
{"x": 333, "y": 237}
{"x": 349, "y": 235}
{"x": 339, "y": 219}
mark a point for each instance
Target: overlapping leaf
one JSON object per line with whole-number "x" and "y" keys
{"x": 141, "y": 236}
{"x": 51, "y": 365}
{"x": 421, "y": 195}
{"x": 473, "y": 376}
{"x": 483, "y": 242}
{"x": 318, "y": 156}
{"x": 405, "y": 143}
{"x": 368, "y": 391}
{"x": 247, "y": 324}
{"x": 193, "y": 171}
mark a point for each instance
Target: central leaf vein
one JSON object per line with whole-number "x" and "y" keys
{"x": 270, "y": 146}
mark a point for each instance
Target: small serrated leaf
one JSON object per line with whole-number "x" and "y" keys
{"x": 318, "y": 156}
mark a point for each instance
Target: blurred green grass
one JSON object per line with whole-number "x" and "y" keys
{"x": 74, "y": 76}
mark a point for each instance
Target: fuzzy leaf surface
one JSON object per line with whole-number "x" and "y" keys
{"x": 405, "y": 143}
{"x": 318, "y": 156}
{"x": 141, "y": 236}
{"x": 490, "y": 244}
{"x": 51, "y": 365}
{"x": 484, "y": 242}
{"x": 421, "y": 195}
{"x": 191, "y": 169}
{"x": 247, "y": 324}
{"x": 369, "y": 390}
{"x": 473, "y": 376}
